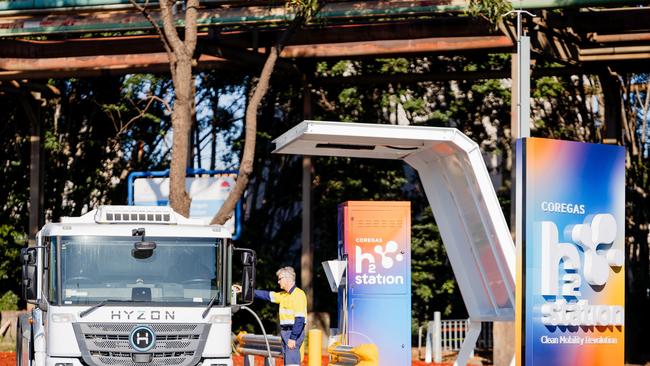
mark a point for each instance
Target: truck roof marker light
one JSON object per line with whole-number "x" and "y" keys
{"x": 135, "y": 214}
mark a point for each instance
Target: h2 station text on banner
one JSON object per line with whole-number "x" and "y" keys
{"x": 571, "y": 246}
{"x": 375, "y": 237}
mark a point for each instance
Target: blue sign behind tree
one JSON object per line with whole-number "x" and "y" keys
{"x": 207, "y": 188}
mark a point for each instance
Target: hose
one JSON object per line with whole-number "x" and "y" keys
{"x": 266, "y": 340}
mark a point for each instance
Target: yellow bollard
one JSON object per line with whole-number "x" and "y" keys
{"x": 315, "y": 339}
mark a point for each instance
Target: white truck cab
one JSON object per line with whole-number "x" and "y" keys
{"x": 130, "y": 285}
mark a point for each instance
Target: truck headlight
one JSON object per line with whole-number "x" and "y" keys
{"x": 63, "y": 318}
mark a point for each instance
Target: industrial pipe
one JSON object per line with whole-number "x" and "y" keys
{"x": 628, "y": 37}
{"x": 258, "y": 352}
{"x": 245, "y": 338}
{"x": 423, "y": 45}
{"x": 614, "y": 50}
{"x": 127, "y": 20}
{"x": 546, "y": 4}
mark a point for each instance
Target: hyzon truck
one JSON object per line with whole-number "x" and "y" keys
{"x": 130, "y": 285}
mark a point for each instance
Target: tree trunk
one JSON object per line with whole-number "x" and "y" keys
{"x": 179, "y": 200}
{"x": 180, "y": 54}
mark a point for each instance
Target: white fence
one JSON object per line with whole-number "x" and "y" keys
{"x": 447, "y": 336}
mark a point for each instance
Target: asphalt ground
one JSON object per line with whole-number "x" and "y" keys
{"x": 9, "y": 359}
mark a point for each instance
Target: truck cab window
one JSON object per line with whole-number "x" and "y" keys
{"x": 179, "y": 270}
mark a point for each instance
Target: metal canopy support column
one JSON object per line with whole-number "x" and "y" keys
{"x": 32, "y": 111}
{"x": 504, "y": 332}
{"x": 307, "y": 257}
{"x": 521, "y": 83}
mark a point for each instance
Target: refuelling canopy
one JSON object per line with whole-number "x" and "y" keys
{"x": 459, "y": 190}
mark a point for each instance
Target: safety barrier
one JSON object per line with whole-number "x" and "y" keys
{"x": 447, "y": 336}
{"x": 251, "y": 345}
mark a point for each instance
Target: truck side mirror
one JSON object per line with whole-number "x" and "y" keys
{"x": 28, "y": 260}
{"x": 28, "y": 256}
{"x": 248, "y": 290}
{"x": 248, "y": 259}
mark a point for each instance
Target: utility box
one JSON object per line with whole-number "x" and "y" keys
{"x": 375, "y": 238}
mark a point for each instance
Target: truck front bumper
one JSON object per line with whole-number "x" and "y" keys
{"x": 59, "y": 361}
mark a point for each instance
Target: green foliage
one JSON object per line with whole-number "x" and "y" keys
{"x": 547, "y": 87}
{"x": 393, "y": 65}
{"x": 11, "y": 240}
{"x": 14, "y": 195}
{"x": 434, "y": 287}
{"x": 493, "y": 10}
{"x": 9, "y": 301}
{"x": 341, "y": 68}
{"x": 307, "y": 8}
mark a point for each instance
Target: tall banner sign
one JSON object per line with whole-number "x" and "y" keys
{"x": 375, "y": 237}
{"x": 571, "y": 253}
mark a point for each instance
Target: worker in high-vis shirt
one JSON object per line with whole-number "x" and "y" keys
{"x": 293, "y": 314}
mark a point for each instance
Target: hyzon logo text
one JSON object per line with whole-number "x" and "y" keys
{"x": 385, "y": 256}
{"x": 564, "y": 305}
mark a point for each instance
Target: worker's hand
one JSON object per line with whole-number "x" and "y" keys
{"x": 291, "y": 344}
{"x": 236, "y": 289}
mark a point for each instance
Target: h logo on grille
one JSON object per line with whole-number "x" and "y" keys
{"x": 142, "y": 338}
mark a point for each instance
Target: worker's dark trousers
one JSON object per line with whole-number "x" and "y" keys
{"x": 291, "y": 356}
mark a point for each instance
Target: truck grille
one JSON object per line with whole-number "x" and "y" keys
{"x": 107, "y": 344}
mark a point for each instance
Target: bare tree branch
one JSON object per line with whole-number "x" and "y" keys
{"x": 246, "y": 165}
{"x": 644, "y": 125}
{"x": 169, "y": 28}
{"x": 145, "y": 13}
{"x": 191, "y": 26}
{"x": 163, "y": 102}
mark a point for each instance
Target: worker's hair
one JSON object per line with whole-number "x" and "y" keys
{"x": 287, "y": 271}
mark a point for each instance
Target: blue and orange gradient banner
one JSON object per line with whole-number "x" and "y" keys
{"x": 375, "y": 236}
{"x": 571, "y": 253}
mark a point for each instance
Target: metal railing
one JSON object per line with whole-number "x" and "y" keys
{"x": 453, "y": 334}
{"x": 447, "y": 336}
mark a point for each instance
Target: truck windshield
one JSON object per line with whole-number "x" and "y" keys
{"x": 92, "y": 269}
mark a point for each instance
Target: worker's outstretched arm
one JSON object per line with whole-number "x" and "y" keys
{"x": 271, "y": 296}
{"x": 263, "y": 294}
